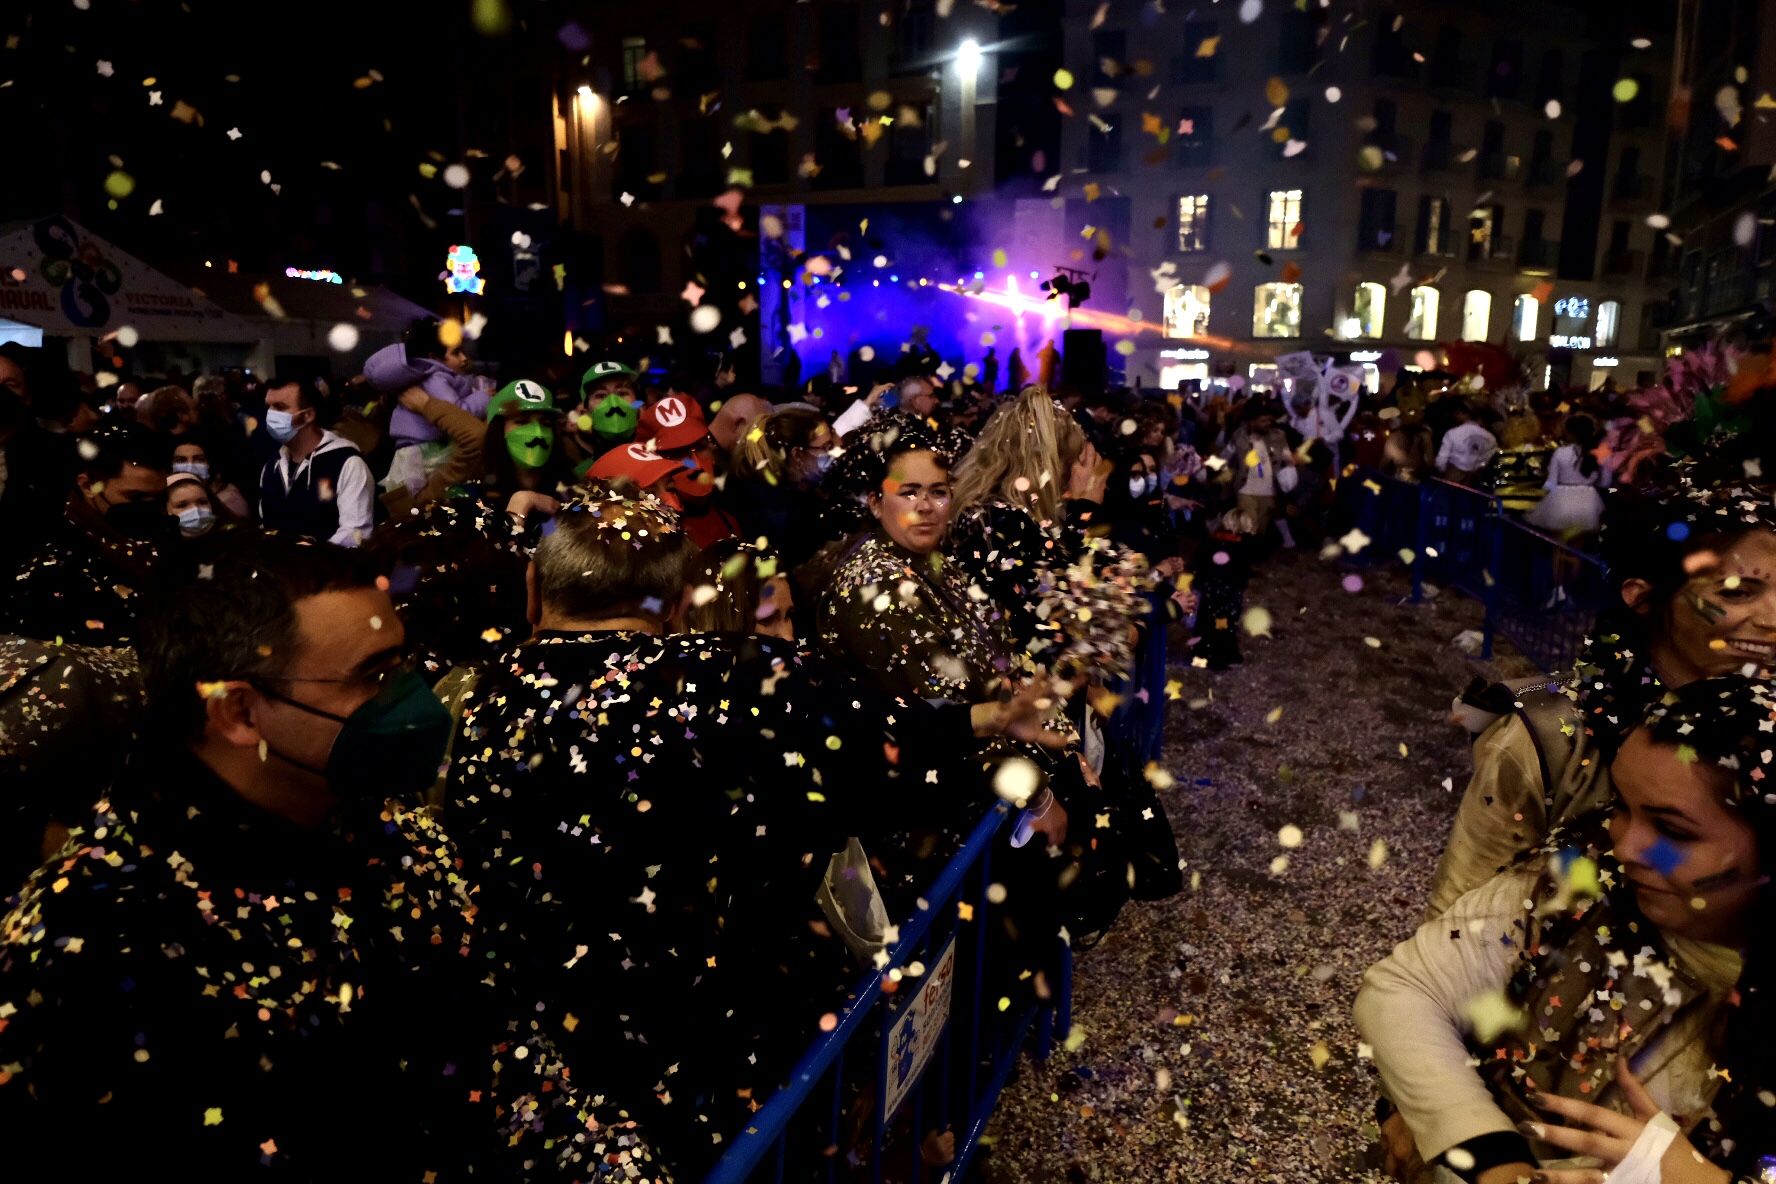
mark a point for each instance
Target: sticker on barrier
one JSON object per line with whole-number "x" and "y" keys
{"x": 917, "y": 1030}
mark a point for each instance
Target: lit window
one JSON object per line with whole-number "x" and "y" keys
{"x": 634, "y": 50}
{"x": 1476, "y": 315}
{"x": 1284, "y": 229}
{"x": 1187, "y": 310}
{"x": 1193, "y": 222}
{"x": 1276, "y": 310}
{"x": 1369, "y": 310}
{"x": 1524, "y": 315}
{"x": 1609, "y": 318}
{"x": 1421, "y": 323}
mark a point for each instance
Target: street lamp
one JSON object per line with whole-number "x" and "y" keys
{"x": 968, "y": 58}
{"x": 586, "y": 96}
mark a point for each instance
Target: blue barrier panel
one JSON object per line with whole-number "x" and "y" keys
{"x": 912, "y": 1053}
{"x": 1537, "y": 591}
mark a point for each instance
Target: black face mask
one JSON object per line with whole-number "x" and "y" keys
{"x": 139, "y": 520}
{"x": 389, "y": 747}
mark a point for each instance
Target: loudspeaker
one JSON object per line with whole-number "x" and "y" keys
{"x": 1082, "y": 360}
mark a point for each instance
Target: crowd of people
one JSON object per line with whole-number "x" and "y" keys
{"x": 426, "y": 777}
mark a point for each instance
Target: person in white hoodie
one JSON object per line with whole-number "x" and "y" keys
{"x": 317, "y": 486}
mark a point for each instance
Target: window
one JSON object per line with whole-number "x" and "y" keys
{"x": 1392, "y": 57}
{"x": 768, "y": 56}
{"x": 1480, "y": 228}
{"x": 841, "y": 58}
{"x": 1476, "y": 314}
{"x": 1104, "y": 149}
{"x": 634, "y": 50}
{"x": 1433, "y": 226}
{"x": 1507, "y": 69}
{"x": 836, "y": 148}
{"x": 1421, "y": 322}
{"x": 1195, "y": 66}
{"x": 1276, "y": 310}
{"x": 1608, "y": 323}
{"x": 1375, "y": 225}
{"x": 1109, "y": 51}
{"x": 1298, "y": 46}
{"x": 1439, "y": 152}
{"x": 1193, "y": 222}
{"x": 1196, "y": 137}
{"x": 909, "y": 140}
{"x": 1187, "y": 311}
{"x": 1283, "y": 229}
{"x": 1548, "y": 83}
{"x": 768, "y": 152}
{"x": 1524, "y": 314}
{"x": 1291, "y": 125}
{"x": 1368, "y": 311}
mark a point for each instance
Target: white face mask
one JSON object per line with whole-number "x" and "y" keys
{"x": 1141, "y": 486}
{"x": 196, "y": 521}
{"x": 196, "y": 468}
{"x": 281, "y": 426}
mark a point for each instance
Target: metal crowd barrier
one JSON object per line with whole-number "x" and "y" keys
{"x": 1537, "y": 591}
{"x": 912, "y": 1053}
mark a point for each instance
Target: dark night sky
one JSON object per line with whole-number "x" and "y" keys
{"x": 442, "y": 88}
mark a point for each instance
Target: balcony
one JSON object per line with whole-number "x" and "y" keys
{"x": 1498, "y": 166}
{"x": 1438, "y": 156}
{"x": 1631, "y": 187}
{"x": 1396, "y": 149}
{"x": 1538, "y": 255}
{"x": 1622, "y": 264}
{"x": 1379, "y": 239}
{"x": 1446, "y": 77}
{"x": 1544, "y": 174}
{"x": 1498, "y": 255}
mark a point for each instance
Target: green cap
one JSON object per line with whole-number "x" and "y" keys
{"x": 519, "y": 397}
{"x": 615, "y": 416}
{"x": 600, "y": 370}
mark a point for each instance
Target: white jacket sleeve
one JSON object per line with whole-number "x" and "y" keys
{"x": 354, "y": 497}
{"x": 1447, "y": 449}
{"x": 1412, "y": 1012}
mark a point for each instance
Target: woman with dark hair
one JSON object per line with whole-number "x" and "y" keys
{"x": 774, "y": 473}
{"x": 1629, "y": 992}
{"x": 1572, "y": 504}
{"x": 1693, "y": 594}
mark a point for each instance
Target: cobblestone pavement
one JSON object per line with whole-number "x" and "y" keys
{"x": 1213, "y": 1039}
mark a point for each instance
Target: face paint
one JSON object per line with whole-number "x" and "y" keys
{"x": 530, "y": 444}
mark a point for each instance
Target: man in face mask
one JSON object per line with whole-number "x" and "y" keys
{"x": 318, "y": 485}
{"x": 83, "y": 583}
{"x": 263, "y": 936}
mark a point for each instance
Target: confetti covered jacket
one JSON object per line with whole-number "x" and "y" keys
{"x": 82, "y": 585}
{"x": 194, "y": 981}
{"x": 1003, "y": 548}
{"x": 1522, "y": 983}
{"x": 914, "y": 623}
{"x": 65, "y": 718}
{"x": 650, "y": 818}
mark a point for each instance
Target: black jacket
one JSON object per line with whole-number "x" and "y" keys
{"x": 650, "y": 818}
{"x": 84, "y": 584}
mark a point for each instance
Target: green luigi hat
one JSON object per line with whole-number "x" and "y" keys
{"x": 615, "y": 416}
{"x": 519, "y": 397}
{"x": 600, "y": 370}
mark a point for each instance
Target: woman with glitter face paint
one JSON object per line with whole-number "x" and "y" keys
{"x": 1589, "y": 1011}
{"x": 1694, "y": 564}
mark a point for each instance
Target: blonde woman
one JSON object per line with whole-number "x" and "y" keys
{"x": 1024, "y": 495}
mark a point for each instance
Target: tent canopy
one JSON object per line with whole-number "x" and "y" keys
{"x": 59, "y": 277}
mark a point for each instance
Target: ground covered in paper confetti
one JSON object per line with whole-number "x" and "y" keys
{"x": 1217, "y": 1042}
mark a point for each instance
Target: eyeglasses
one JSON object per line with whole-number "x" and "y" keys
{"x": 383, "y": 673}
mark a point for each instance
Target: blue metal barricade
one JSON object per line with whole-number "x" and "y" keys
{"x": 925, "y": 1045}
{"x": 1537, "y": 591}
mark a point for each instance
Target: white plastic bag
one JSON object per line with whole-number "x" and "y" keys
{"x": 852, "y": 903}
{"x": 1286, "y": 479}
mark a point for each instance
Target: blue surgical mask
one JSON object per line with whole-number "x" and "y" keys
{"x": 281, "y": 426}
{"x": 196, "y": 468}
{"x": 195, "y": 521}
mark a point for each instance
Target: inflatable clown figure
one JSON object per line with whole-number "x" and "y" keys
{"x": 462, "y": 270}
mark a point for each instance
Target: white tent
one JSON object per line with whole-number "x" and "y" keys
{"x": 58, "y": 277}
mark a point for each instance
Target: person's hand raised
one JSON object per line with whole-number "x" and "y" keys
{"x": 1613, "y": 1136}
{"x": 1086, "y": 480}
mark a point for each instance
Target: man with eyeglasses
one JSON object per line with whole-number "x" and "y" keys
{"x": 255, "y": 959}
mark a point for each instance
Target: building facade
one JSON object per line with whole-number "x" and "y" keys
{"x": 1434, "y": 173}
{"x": 1723, "y": 198}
